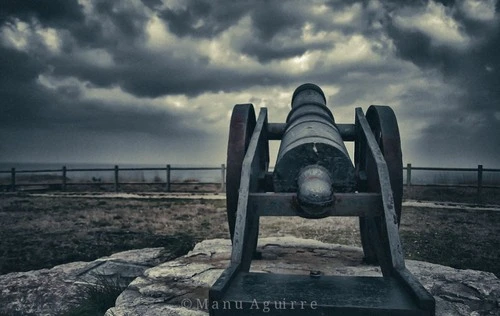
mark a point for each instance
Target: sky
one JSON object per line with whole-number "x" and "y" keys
{"x": 155, "y": 81}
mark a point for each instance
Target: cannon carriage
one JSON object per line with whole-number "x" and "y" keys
{"x": 315, "y": 178}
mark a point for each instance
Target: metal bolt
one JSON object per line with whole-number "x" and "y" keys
{"x": 315, "y": 274}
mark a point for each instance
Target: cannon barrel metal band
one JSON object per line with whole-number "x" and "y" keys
{"x": 312, "y": 159}
{"x": 319, "y": 104}
{"x": 276, "y": 130}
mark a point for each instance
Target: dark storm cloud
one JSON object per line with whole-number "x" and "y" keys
{"x": 147, "y": 74}
{"x": 109, "y": 118}
{"x": 273, "y": 17}
{"x": 151, "y": 75}
{"x": 128, "y": 21}
{"x": 27, "y": 104}
{"x": 469, "y": 130}
{"x": 462, "y": 139}
{"x": 86, "y": 30}
{"x": 417, "y": 47}
{"x": 46, "y": 11}
{"x": 265, "y": 52}
{"x": 207, "y": 19}
{"x": 17, "y": 67}
{"x": 20, "y": 97}
{"x": 117, "y": 31}
{"x": 204, "y": 18}
{"x": 111, "y": 25}
{"x": 199, "y": 18}
{"x": 152, "y": 4}
{"x": 33, "y": 114}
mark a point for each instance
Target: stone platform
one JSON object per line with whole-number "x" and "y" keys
{"x": 180, "y": 287}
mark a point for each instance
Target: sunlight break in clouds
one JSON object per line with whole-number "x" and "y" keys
{"x": 481, "y": 10}
{"x": 16, "y": 35}
{"x": 435, "y": 21}
{"x": 21, "y": 36}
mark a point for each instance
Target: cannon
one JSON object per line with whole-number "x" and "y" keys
{"x": 314, "y": 177}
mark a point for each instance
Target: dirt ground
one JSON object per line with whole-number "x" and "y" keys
{"x": 42, "y": 231}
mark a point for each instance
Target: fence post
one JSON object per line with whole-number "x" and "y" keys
{"x": 479, "y": 182}
{"x": 223, "y": 177}
{"x": 408, "y": 175}
{"x": 64, "y": 178}
{"x": 13, "y": 179}
{"x": 167, "y": 182}
{"x": 116, "y": 178}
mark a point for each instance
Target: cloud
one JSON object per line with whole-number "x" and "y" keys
{"x": 435, "y": 22}
{"x": 203, "y": 18}
{"x": 165, "y": 74}
{"x": 461, "y": 49}
{"x": 50, "y": 12}
{"x": 483, "y": 10}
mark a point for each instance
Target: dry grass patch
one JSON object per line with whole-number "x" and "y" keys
{"x": 40, "y": 232}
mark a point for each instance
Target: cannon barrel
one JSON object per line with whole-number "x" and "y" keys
{"x": 312, "y": 159}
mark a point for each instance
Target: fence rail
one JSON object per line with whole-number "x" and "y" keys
{"x": 13, "y": 185}
{"x": 479, "y": 170}
{"x": 63, "y": 184}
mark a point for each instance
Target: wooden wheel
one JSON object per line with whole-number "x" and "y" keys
{"x": 384, "y": 126}
{"x": 240, "y": 131}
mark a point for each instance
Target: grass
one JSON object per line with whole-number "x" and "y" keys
{"x": 453, "y": 194}
{"x": 95, "y": 299}
{"x": 456, "y": 238}
{"x": 40, "y": 232}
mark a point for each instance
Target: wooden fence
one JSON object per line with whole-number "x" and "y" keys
{"x": 479, "y": 185}
{"x": 63, "y": 184}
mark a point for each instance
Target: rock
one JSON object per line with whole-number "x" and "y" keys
{"x": 180, "y": 287}
{"x": 54, "y": 291}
